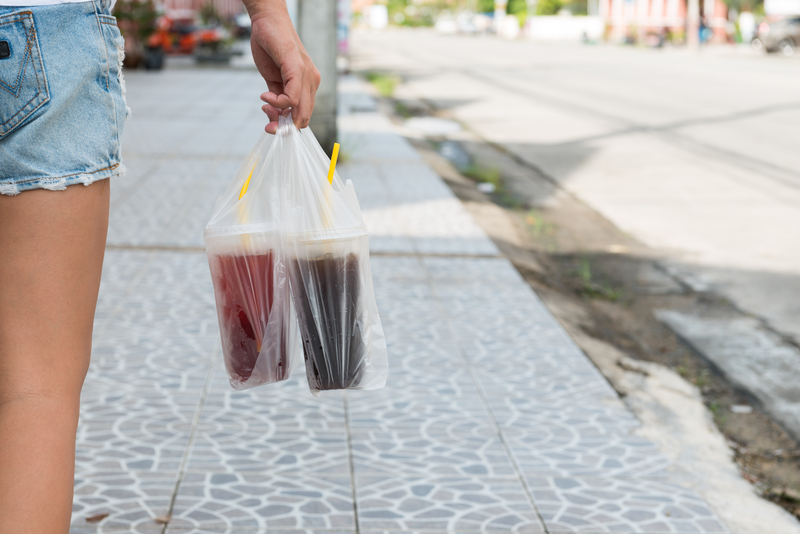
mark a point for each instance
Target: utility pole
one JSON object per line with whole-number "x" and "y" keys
{"x": 316, "y": 26}
{"x": 693, "y": 24}
{"x": 499, "y": 15}
{"x": 531, "y": 8}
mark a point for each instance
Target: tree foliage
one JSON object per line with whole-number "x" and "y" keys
{"x": 517, "y": 7}
{"x": 548, "y": 7}
{"x": 485, "y": 6}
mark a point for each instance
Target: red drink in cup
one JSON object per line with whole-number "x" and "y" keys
{"x": 252, "y": 306}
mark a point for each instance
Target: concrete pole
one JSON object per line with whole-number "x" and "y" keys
{"x": 316, "y": 26}
{"x": 499, "y": 15}
{"x": 693, "y": 24}
{"x": 531, "y": 8}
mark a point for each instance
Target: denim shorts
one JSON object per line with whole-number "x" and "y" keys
{"x": 62, "y": 96}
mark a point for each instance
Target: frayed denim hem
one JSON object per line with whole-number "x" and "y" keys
{"x": 10, "y": 187}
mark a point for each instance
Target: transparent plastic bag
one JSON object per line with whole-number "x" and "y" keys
{"x": 326, "y": 247}
{"x": 257, "y": 321}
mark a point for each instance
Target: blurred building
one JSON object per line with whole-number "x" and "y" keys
{"x": 225, "y": 8}
{"x": 635, "y": 19}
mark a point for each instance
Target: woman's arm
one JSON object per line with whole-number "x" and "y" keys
{"x": 282, "y": 60}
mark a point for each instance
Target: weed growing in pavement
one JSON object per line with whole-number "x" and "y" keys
{"x": 593, "y": 289}
{"x": 538, "y": 225}
{"x": 484, "y": 175}
{"x": 702, "y": 379}
{"x": 384, "y": 83}
{"x": 719, "y": 413}
{"x": 402, "y": 110}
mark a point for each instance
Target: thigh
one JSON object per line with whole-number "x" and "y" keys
{"x": 52, "y": 245}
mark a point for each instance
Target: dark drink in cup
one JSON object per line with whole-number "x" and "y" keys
{"x": 254, "y": 327}
{"x": 327, "y": 304}
{"x": 327, "y": 291}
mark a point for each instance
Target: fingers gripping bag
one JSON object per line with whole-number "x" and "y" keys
{"x": 327, "y": 253}
{"x": 257, "y": 321}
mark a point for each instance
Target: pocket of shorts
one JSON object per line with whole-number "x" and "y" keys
{"x": 23, "y": 85}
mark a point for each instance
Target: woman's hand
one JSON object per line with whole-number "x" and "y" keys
{"x": 282, "y": 60}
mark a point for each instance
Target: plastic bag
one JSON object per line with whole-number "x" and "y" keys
{"x": 326, "y": 247}
{"x": 258, "y": 327}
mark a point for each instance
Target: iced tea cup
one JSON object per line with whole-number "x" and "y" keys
{"x": 254, "y": 308}
{"x": 327, "y": 270}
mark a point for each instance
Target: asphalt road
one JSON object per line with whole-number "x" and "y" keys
{"x": 697, "y": 155}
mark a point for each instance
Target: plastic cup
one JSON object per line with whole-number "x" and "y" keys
{"x": 326, "y": 273}
{"x": 252, "y": 301}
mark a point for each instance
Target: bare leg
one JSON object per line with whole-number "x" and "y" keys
{"x": 51, "y": 256}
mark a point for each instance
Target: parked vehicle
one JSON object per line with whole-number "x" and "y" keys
{"x": 779, "y": 36}
{"x": 177, "y": 33}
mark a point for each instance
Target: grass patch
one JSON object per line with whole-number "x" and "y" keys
{"x": 593, "y": 289}
{"x": 402, "y": 110}
{"x": 492, "y": 176}
{"x": 538, "y": 225}
{"x": 702, "y": 379}
{"x": 484, "y": 175}
{"x": 719, "y": 414}
{"x": 384, "y": 83}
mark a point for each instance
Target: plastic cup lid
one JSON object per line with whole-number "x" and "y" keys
{"x": 260, "y": 228}
{"x": 332, "y": 234}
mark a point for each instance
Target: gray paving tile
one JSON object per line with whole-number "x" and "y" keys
{"x": 620, "y": 505}
{"x": 101, "y": 528}
{"x": 131, "y": 498}
{"x": 584, "y": 421}
{"x": 449, "y": 402}
{"x": 156, "y": 136}
{"x": 561, "y": 451}
{"x": 119, "y": 432}
{"x": 242, "y": 439}
{"x": 428, "y": 452}
{"x": 266, "y": 501}
{"x": 236, "y": 530}
{"x": 186, "y": 228}
{"x": 150, "y": 211}
{"x": 169, "y": 295}
{"x": 416, "y": 182}
{"x": 547, "y": 356}
{"x": 370, "y": 136}
{"x": 444, "y": 504}
{"x": 407, "y": 208}
{"x": 285, "y": 405}
{"x": 531, "y": 393}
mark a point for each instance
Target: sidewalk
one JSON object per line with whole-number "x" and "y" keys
{"x": 492, "y": 419}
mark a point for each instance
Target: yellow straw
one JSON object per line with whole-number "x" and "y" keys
{"x": 247, "y": 182}
{"x": 333, "y": 162}
{"x": 330, "y": 181}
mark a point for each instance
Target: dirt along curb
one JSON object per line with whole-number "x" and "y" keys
{"x": 607, "y": 289}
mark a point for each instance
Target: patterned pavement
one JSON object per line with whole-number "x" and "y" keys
{"x": 492, "y": 421}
